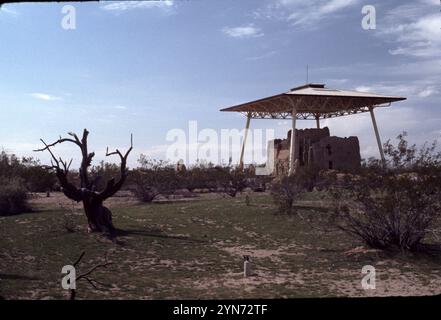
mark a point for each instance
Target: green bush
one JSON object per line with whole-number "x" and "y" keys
{"x": 286, "y": 189}
{"x": 396, "y": 205}
{"x": 153, "y": 178}
{"x": 35, "y": 177}
{"x": 390, "y": 210}
{"x": 204, "y": 176}
{"x": 12, "y": 197}
{"x": 196, "y": 177}
{"x": 156, "y": 177}
{"x": 228, "y": 179}
{"x": 234, "y": 181}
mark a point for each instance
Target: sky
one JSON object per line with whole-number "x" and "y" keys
{"x": 148, "y": 67}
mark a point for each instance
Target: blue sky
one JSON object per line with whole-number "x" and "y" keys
{"x": 148, "y": 67}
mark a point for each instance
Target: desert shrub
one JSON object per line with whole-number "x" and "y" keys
{"x": 12, "y": 196}
{"x": 9, "y": 165}
{"x": 237, "y": 181}
{"x": 35, "y": 177}
{"x": 258, "y": 183}
{"x": 389, "y": 210}
{"x": 396, "y": 205}
{"x": 157, "y": 177}
{"x": 286, "y": 189}
{"x": 232, "y": 180}
{"x": 228, "y": 179}
{"x": 199, "y": 176}
{"x": 154, "y": 178}
{"x": 405, "y": 158}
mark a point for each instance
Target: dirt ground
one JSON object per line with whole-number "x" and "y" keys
{"x": 193, "y": 249}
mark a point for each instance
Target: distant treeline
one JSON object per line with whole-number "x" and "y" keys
{"x": 27, "y": 172}
{"x": 21, "y": 176}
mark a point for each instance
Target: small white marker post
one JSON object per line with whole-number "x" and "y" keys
{"x": 246, "y": 266}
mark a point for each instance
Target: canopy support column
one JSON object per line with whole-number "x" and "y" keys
{"x": 242, "y": 152}
{"x": 377, "y": 135}
{"x": 317, "y": 121}
{"x": 292, "y": 147}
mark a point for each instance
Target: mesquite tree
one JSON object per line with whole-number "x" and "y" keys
{"x": 98, "y": 216}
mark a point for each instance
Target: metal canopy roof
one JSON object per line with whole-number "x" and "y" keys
{"x": 313, "y": 101}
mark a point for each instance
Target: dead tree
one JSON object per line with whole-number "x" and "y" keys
{"x": 87, "y": 275}
{"x": 98, "y": 216}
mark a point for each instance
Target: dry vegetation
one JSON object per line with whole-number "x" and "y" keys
{"x": 309, "y": 237}
{"x": 194, "y": 249}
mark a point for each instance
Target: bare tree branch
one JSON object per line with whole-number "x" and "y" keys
{"x": 79, "y": 259}
{"x": 112, "y": 187}
{"x": 86, "y": 275}
{"x": 103, "y": 265}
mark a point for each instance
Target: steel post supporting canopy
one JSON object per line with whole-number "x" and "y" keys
{"x": 313, "y": 102}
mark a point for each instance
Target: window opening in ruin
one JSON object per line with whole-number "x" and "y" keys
{"x": 328, "y": 147}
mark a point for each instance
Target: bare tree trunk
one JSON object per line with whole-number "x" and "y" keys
{"x": 99, "y": 217}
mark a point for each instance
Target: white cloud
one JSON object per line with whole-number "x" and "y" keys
{"x": 304, "y": 13}
{"x": 248, "y": 31}
{"x": 336, "y": 5}
{"x": 317, "y": 11}
{"x": 45, "y": 96}
{"x": 120, "y": 107}
{"x": 262, "y": 56}
{"x": 415, "y": 29}
{"x": 4, "y": 9}
{"x": 129, "y": 5}
{"x": 413, "y": 90}
{"x": 363, "y": 89}
{"x": 427, "y": 92}
{"x": 421, "y": 38}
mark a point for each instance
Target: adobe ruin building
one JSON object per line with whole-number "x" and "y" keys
{"x": 315, "y": 148}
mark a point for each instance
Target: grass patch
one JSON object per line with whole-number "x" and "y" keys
{"x": 193, "y": 250}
